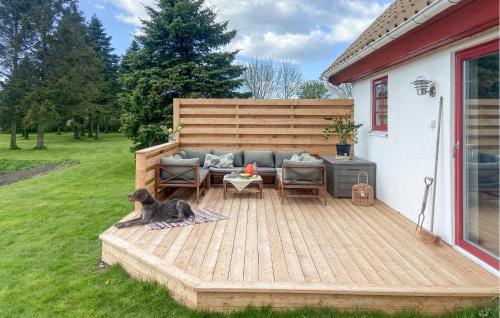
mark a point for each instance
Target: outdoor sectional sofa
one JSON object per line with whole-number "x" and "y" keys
{"x": 185, "y": 170}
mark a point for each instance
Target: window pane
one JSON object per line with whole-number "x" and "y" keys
{"x": 481, "y": 153}
{"x": 381, "y": 89}
{"x": 381, "y": 119}
{"x": 381, "y": 105}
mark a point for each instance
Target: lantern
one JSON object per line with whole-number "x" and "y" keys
{"x": 362, "y": 193}
{"x": 424, "y": 86}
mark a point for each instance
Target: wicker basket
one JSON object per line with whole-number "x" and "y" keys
{"x": 362, "y": 193}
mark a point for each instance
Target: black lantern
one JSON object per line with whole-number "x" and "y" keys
{"x": 424, "y": 86}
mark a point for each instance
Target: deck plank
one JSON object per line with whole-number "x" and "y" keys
{"x": 210, "y": 261}
{"x": 226, "y": 250}
{"x": 265, "y": 270}
{"x": 323, "y": 268}
{"x": 251, "y": 269}
{"x": 294, "y": 269}
{"x": 280, "y": 271}
{"x": 237, "y": 268}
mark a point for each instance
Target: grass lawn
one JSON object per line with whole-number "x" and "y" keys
{"x": 49, "y": 246}
{"x": 7, "y": 165}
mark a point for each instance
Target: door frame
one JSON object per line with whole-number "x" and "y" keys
{"x": 475, "y": 51}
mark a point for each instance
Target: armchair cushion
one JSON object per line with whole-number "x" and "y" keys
{"x": 279, "y": 156}
{"x": 294, "y": 171}
{"x": 177, "y": 169}
{"x": 262, "y": 158}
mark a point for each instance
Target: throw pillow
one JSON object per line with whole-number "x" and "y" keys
{"x": 296, "y": 157}
{"x": 226, "y": 160}
{"x": 223, "y": 161}
{"x": 307, "y": 157}
{"x": 211, "y": 161}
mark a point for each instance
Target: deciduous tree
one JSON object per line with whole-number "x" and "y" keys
{"x": 314, "y": 90}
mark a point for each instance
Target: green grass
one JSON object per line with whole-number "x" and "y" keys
{"x": 12, "y": 165}
{"x": 49, "y": 246}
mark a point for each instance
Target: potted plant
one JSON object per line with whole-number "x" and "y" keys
{"x": 172, "y": 132}
{"x": 344, "y": 128}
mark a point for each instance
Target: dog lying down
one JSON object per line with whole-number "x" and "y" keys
{"x": 154, "y": 211}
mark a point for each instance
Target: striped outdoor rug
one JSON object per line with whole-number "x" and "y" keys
{"x": 200, "y": 216}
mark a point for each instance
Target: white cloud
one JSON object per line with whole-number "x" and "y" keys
{"x": 99, "y": 6}
{"x": 300, "y": 30}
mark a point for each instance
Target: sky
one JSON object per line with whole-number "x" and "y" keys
{"x": 311, "y": 33}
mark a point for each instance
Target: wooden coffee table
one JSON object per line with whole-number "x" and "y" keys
{"x": 255, "y": 186}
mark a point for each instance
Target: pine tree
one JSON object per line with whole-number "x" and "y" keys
{"x": 107, "y": 99}
{"x": 179, "y": 55}
{"x": 73, "y": 77}
{"x": 46, "y": 16}
{"x": 16, "y": 39}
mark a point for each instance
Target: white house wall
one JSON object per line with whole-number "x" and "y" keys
{"x": 406, "y": 154}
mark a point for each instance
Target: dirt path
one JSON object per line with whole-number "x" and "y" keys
{"x": 22, "y": 174}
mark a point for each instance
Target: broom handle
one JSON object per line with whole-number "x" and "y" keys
{"x": 436, "y": 159}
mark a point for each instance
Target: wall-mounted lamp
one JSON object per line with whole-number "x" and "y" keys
{"x": 424, "y": 86}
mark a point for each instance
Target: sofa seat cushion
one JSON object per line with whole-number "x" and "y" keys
{"x": 279, "y": 156}
{"x": 295, "y": 172}
{"x": 172, "y": 168}
{"x": 225, "y": 170}
{"x": 261, "y": 158}
{"x": 195, "y": 153}
{"x": 265, "y": 170}
{"x": 237, "y": 156}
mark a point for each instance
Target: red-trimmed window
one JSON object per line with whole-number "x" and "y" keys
{"x": 379, "y": 104}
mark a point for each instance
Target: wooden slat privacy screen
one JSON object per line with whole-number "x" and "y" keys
{"x": 258, "y": 124}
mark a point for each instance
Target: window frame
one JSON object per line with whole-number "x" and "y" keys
{"x": 375, "y": 82}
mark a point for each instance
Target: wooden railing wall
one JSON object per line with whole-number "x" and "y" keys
{"x": 258, "y": 124}
{"x": 145, "y": 162}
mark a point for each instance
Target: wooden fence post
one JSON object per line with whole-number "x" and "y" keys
{"x": 140, "y": 170}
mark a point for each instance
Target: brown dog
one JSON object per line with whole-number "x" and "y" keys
{"x": 154, "y": 211}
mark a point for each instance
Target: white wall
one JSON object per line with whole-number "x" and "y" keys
{"x": 406, "y": 154}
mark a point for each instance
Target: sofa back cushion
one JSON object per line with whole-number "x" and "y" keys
{"x": 303, "y": 170}
{"x": 237, "y": 156}
{"x": 178, "y": 169}
{"x": 279, "y": 156}
{"x": 261, "y": 158}
{"x": 195, "y": 153}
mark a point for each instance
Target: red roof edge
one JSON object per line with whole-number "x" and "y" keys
{"x": 463, "y": 20}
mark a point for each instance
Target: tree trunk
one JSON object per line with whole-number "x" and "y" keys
{"x": 26, "y": 134}
{"x": 13, "y": 131}
{"x": 40, "y": 135}
{"x": 90, "y": 134}
{"x": 97, "y": 130}
{"x": 76, "y": 133}
{"x": 59, "y": 130}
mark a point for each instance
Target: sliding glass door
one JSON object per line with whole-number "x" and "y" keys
{"x": 477, "y": 151}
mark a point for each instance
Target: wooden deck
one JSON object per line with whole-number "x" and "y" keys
{"x": 301, "y": 253}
